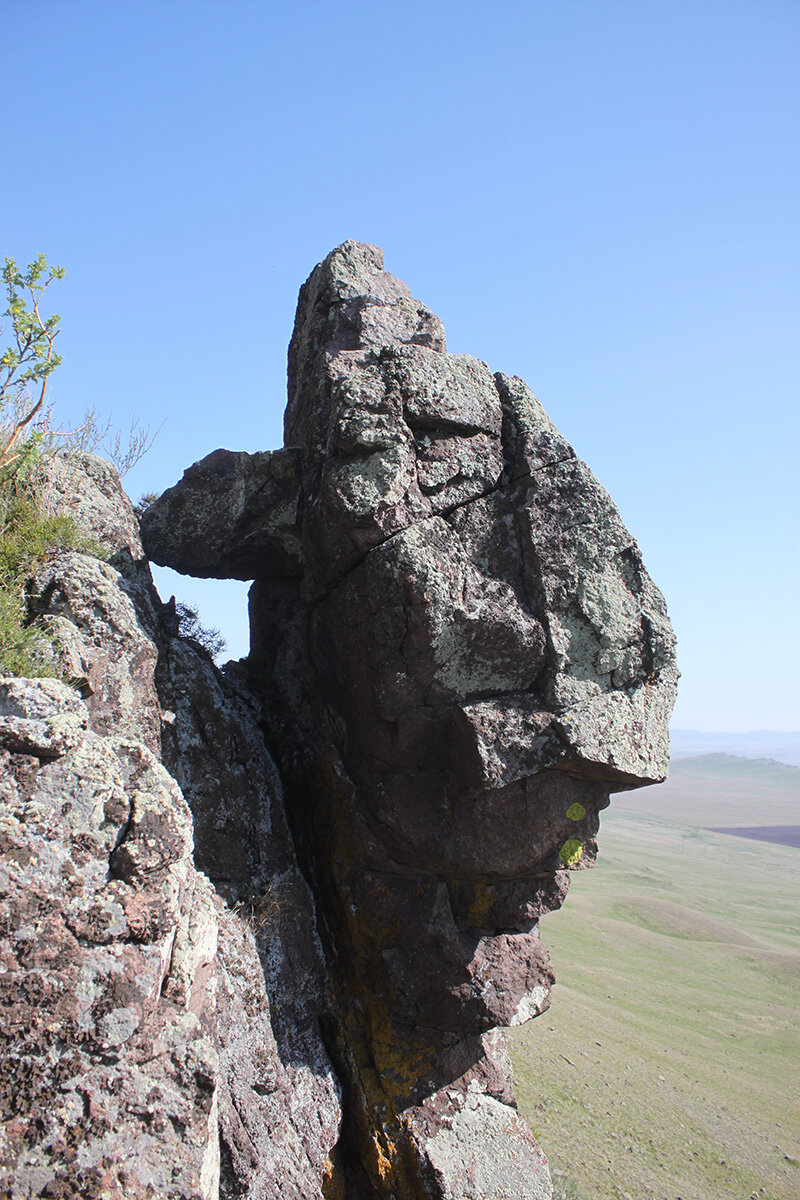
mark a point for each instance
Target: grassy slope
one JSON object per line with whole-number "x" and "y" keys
{"x": 667, "y": 1065}
{"x": 720, "y": 789}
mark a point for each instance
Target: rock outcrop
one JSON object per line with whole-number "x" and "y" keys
{"x": 459, "y": 655}
{"x": 162, "y": 974}
{"x": 107, "y": 986}
{"x": 263, "y": 926}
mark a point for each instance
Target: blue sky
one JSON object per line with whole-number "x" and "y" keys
{"x": 600, "y": 197}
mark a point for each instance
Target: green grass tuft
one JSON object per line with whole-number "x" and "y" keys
{"x": 27, "y": 538}
{"x": 565, "y": 1188}
{"x": 24, "y": 650}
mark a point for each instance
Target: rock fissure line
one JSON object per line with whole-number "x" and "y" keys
{"x": 399, "y": 533}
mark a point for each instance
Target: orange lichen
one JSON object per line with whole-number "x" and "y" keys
{"x": 333, "y": 1185}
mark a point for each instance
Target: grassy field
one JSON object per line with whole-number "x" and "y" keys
{"x": 762, "y": 743}
{"x": 667, "y": 1066}
{"x": 720, "y": 789}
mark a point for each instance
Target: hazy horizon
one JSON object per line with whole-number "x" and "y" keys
{"x": 735, "y": 733}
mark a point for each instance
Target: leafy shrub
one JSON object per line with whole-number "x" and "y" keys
{"x": 26, "y": 425}
{"x": 27, "y": 364}
{"x": 28, "y": 535}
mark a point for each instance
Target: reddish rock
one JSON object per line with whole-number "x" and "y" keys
{"x": 109, "y": 1063}
{"x": 161, "y": 1033}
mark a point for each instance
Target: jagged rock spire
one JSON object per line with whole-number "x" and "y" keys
{"x": 460, "y": 656}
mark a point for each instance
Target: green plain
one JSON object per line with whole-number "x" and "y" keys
{"x": 668, "y": 1064}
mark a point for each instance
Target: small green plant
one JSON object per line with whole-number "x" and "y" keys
{"x": 24, "y": 650}
{"x": 26, "y": 538}
{"x": 143, "y": 503}
{"x": 258, "y": 909}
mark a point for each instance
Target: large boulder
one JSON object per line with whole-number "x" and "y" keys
{"x": 460, "y": 659}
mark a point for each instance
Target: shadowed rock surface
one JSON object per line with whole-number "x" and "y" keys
{"x": 459, "y": 656}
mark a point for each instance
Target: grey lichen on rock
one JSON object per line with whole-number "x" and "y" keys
{"x": 44, "y": 717}
{"x": 232, "y": 516}
{"x": 89, "y": 488}
{"x": 486, "y": 1149}
{"x": 159, "y": 1037}
{"x": 106, "y": 998}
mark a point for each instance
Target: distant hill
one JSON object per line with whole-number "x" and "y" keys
{"x": 763, "y": 743}
{"x": 713, "y": 790}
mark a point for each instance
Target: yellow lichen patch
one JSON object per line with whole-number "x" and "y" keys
{"x": 480, "y": 904}
{"x": 398, "y": 1064}
{"x": 385, "y": 1154}
{"x": 394, "y": 1166}
{"x": 571, "y": 852}
{"x": 384, "y": 1069}
{"x": 576, "y": 811}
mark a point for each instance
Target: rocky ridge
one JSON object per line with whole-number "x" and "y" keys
{"x": 161, "y": 969}
{"x": 265, "y": 924}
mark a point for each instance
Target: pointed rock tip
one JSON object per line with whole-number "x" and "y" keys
{"x": 349, "y": 270}
{"x": 360, "y": 252}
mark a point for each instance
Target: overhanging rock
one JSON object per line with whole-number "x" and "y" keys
{"x": 459, "y": 655}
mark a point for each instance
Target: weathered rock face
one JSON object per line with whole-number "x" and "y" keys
{"x": 103, "y": 615}
{"x": 459, "y": 656}
{"x": 229, "y": 494}
{"x": 108, "y": 945}
{"x": 279, "y": 1109}
{"x": 160, "y": 1034}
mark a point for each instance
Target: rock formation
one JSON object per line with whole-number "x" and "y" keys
{"x": 267, "y": 923}
{"x": 162, "y": 975}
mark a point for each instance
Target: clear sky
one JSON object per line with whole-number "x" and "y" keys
{"x": 599, "y": 196}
